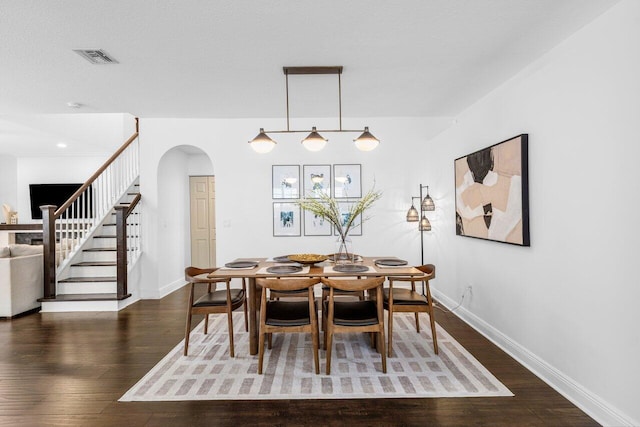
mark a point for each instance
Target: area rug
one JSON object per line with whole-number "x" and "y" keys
{"x": 208, "y": 373}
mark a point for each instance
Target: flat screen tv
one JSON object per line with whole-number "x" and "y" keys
{"x": 52, "y": 194}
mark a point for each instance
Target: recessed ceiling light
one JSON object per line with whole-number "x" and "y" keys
{"x": 73, "y": 104}
{"x": 61, "y": 145}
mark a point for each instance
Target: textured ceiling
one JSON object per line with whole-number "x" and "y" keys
{"x": 203, "y": 58}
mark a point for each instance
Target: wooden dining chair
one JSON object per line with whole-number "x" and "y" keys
{"x": 213, "y": 301}
{"x": 411, "y": 301}
{"x": 354, "y": 316}
{"x": 288, "y": 314}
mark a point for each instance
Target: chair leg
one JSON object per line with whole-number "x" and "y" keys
{"x": 324, "y": 330}
{"x": 206, "y": 323}
{"x": 383, "y": 351}
{"x": 230, "y": 326}
{"x": 246, "y": 317}
{"x": 417, "y": 322}
{"x": 260, "y": 351}
{"x": 433, "y": 332}
{"x": 269, "y": 335}
{"x": 187, "y": 333}
{"x": 329, "y": 338}
{"x": 390, "y": 349}
{"x": 315, "y": 337}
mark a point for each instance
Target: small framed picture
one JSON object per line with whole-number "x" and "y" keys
{"x": 286, "y": 219}
{"x": 356, "y": 226}
{"x": 316, "y": 180}
{"x": 285, "y": 182}
{"x": 347, "y": 182}
{"x": 315, "y": 225}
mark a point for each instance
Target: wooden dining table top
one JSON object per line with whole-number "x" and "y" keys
{"x": 315, "y": 270}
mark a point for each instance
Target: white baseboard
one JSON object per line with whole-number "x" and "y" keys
{"x": 167, "y": 289}
{"x": 588, "y": 402}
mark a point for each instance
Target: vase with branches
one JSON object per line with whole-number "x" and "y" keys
{"x": 326, "y": 207}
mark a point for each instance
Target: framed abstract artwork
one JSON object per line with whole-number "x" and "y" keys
{"x": 285, "y": 182}
{"x": 316, "y": 180}
{"x": 347, "y": 182}
{"x": 286, "y": 219}
{"x": 315, "y": 225}
{"x": 492, "y": 192}
{"x": 356, "y": 227}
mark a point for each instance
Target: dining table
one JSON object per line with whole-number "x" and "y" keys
{"x": 253, "y": 268}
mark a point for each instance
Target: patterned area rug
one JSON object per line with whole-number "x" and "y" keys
{"x": 208, "y": 373}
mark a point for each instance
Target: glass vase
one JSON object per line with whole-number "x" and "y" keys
{"x": 344, "y": 250}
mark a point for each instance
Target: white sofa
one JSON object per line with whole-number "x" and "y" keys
{"x": 21, "y": 277}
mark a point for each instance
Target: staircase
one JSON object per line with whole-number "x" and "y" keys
{"x": 89, "y": 280}
{"x": 92, "y": 241}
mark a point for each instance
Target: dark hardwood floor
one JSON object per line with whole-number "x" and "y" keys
{"x": 69, "y": 369}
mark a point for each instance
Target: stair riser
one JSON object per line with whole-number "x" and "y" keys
{"x": 86, "y": 288}
{"x": 109, "y": 242}
{"x": 72, "y": 306}
{"x": 99, "y": 256}
{"x": 93, "y": 271}
{"x": 108, "y": 231}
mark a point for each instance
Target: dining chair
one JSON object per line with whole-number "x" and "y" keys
{"x": 354, "y": 316}
{"x": 411, "y": 301}
{"x": 287, "y": 314}
{"x": 213, "y": 301}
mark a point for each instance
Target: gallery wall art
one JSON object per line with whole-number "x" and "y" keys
{"x": 492, "y": 192}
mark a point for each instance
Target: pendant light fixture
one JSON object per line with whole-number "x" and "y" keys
{"x": 262, "y": 143}
{"x": 314, "y": 141}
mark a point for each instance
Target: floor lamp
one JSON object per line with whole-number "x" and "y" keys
{"x": 426, "y": 204}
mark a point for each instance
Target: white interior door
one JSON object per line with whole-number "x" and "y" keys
{"x": 203, "y": 221}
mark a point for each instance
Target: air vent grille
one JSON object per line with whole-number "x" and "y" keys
{"x": 96, "y": 56}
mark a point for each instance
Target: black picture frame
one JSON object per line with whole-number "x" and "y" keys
{"x": 316, "y": 178}
{"x": 492, "y": 192}
{"x": 287, "y": 219}
{"x": 285, "y": 182}
{"x": 347, "y": 181}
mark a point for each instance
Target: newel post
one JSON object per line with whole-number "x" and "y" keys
{"x": 121, "y": 249}
{"x": 49, "y": 250}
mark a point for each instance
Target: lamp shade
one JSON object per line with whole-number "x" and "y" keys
{"x": 262, "y": 143}
{"x": 425, "y": 225}
{"x": 314, "y": 141}
{"x": 412, "y": 214}
{"x": 366, "y": 141}
{"x": 427, "y": 204}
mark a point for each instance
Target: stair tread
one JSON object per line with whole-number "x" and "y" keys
{"x": 87, "y": 279}
{"x": 100, "y": 250}
{"x": 85, "y": 297}
{"x": 93, "y": 264}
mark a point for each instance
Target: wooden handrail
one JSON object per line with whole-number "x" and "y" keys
{"x": 132, "y": 205}
{"x": 93, "y": 177}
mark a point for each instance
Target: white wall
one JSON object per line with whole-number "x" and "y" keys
{"x": 8, "y": 187}
{"x": 243, "y": 189}
{"x": 566, "y": 306}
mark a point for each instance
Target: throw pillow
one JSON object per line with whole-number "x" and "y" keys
{"x": 4, "y": 252}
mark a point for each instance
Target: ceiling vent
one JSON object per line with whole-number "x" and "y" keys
{"x": 96, "y": 56}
